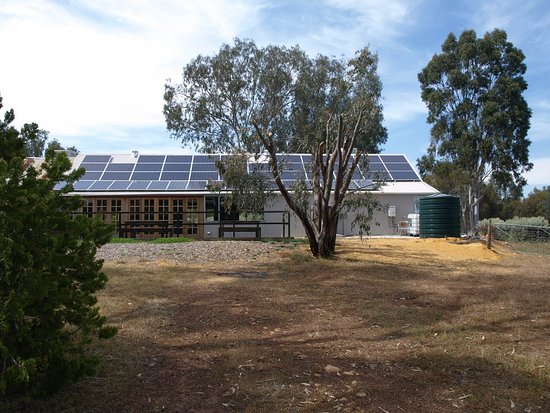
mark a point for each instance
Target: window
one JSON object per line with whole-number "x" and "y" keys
{"x": 177, "y": 217}
{"x": 192, "y": 216}
{"x": 88, "y": 208}
{"x": 149, "y": 209}
{"x": 101, "y": 207}
{"x": 116, "y": 209}
{"x": 116, "y": 206}
{"x": 177, "y": 209}
{"x": 212, "y": 207}
{"x": 163, "y": 209}
{"x": 134, "y": 210}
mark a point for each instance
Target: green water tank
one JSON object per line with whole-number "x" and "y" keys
{"x": 440, "y": 216}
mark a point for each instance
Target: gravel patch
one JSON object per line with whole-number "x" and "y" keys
{"x": 190, "y": 252}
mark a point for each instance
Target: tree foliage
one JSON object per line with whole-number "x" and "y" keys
{"x": 55, "y": 145}
{"x": 537, "y": 204}
{"x": 474, "y": 93}
{"x": 35, "y": 139}
{"x": 249, "y": 191}
{"x": 279, "y": 88}
{"x": 48, "y": 271}
{"x": 274, "y": 100}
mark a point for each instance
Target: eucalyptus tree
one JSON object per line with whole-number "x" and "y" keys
{"x": 275, "y": 100}
{"x": 474, "y": 93}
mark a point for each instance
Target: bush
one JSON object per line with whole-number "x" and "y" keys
{"x": 48, "y": 276}
{"x": 518, "y": 229}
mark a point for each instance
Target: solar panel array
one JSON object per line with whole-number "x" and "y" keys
{"x": 193, "y": 172}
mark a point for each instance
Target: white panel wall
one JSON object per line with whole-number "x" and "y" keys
{"x": 381, "y": 225}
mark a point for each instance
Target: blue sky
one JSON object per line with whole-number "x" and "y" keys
{"x": 92, "y": 72}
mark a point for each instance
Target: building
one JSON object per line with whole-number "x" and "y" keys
{"x": 167, "y": 195}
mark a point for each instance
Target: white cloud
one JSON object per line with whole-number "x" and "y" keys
{"x": 540, "y": 174}
{"x": 103, "y": 64}
{"x": 401, "y": 106}
{"x": 380, "y": 22}
{"x": 526, "y": 24}
{"x": 540, "y": 122}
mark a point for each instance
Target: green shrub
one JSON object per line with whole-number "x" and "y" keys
{"x": 518, "y": 229}
{"x": 48, "y": 274}
{"x": 172, "y": 240}
{"x": 125, "y": 241}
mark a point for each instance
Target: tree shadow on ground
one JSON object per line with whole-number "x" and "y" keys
{"x": 202, "y": 342}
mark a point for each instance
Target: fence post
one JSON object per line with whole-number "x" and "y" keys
{"x": 489, "y": 235}
{"x": 288, "y": 216}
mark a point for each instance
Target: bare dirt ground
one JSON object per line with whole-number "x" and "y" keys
{"x": 389, "y": 325}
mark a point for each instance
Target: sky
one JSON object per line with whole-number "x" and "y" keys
{"x": 92, "y": 72}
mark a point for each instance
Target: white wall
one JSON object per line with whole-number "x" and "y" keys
{"x": 381, "y": 225}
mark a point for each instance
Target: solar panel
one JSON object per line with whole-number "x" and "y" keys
{"x": 91, "y": 176}
{"x": 151, "y": 159}
{"x": 171, "y": 172}
{"x": 93, "y": 167}
{"x": 197, "y": 176}
{"x": 148, "y": 167}
{"x": 177, "y": 185}
{"x": 100, "y": 186}
{"x": 393, "y": 158}
{"x": 377, "y": 175}
{"x": 97, "y": 158}
{"x": 291, "y": 175}
{"x": 82, "y": 185}
{"x": 145, "y": 176}
{"x": 376, "y": 166}
{"x": 204, "y": 167}
{"x": 285, "y": 157}
{"x": 176, "y": 167}
{"x": 116, "y": 176}
{"x": 179, "y": 158}
{"x": 405, "y": 176}
{"x": 174, "y": 176}
{"x": 119, "y": 185}
{"x": 120, "y": 167}
{"x": 374, "y": 158}
{"x": 197, "y": 185}
{"x": 363, "y": 184}
{"x": 139, "y": 185}
{"x": 293, "y": 166}
{"x": 398, "y": 167}
{"x": 258, "y": 167}
{"x": 357, "y": 174}
{"x": 290, "y": 158}
{"x": 206, "y": 158}
{"x": 60, "y": 185}
{"x": 158, "y": 185}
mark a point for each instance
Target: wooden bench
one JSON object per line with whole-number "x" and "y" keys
{"x": 240, "y": 226}
{"x": 132, "y": 228}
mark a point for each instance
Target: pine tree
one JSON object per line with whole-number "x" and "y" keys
{"x": 48, "y": 272}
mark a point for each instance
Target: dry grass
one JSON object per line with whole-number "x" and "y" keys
{"x": 412, "y": 325}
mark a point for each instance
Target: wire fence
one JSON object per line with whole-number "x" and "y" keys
{"x": 522, "y": 238}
